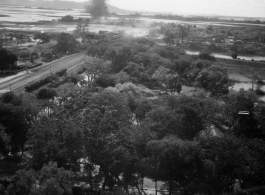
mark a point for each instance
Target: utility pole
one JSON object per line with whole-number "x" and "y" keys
{"x": 156, "y": 186}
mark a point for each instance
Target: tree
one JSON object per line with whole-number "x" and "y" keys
{"x": 7, "y": 59}
{"x": 55, "y": 138}
{"x": 169, "y": 37}
{"x": 92, "y": 51}
{"x": 67, "y": 18}
{"x": 162, "y": 122}
{"x": 66, "y": 43}
{"x": 170, "y": 33}
{"x": 206, "y": 56}
{"x": 194, "y": 46}
{"x": 44, "y": 37}
{"x": 94, "y": 68}
{"x": 120, "y": 58}
{"x": 151, "y": 61}
{"x": 183, "y": 31}
{"x": 170, "y": 80}
{"x": 234, "y": 48}
{"x": 16, "y": 117}
{"x": 214, "y": 79}
{"x": 210, "y": 28}
{"x": 196, "y": 67}
{"x": 174, "y": 84}
{"x": 49, "y": 180}
{"x": 249, "y": 126}
{"x": 47, "y": 56}
{"x": 4, "y": 141}
{"x": 81, "y": 29}
{"x": 184, "y": 109}
{"x": 23, "y": 181}
{"x": 134, "y": 69}
{"x": 232, "y": 162}
{"x": 105, "y": 81}
{"x": 213, "y": 48}
{"x": 105, "y": 122}
{"x": 234, "y": 55}
{"x": 254, "y": 77}
{"x": 172, "y": 52}
{"x": 181, "y": 66}
{"x": 176, "y": 162}
{"x": 46, "y": 94}
{"x": 122, "y": 77}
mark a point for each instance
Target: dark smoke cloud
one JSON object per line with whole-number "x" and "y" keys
{"x": 97, "y": 8}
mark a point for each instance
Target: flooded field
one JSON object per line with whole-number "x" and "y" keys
{"x": 13, "y": 17}
{"x": 22, "y": 14}
{"x": 18, "y": 17}
{"x": 203, "y": 23}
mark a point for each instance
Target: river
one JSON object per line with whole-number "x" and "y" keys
{"x": 224, "y": 56}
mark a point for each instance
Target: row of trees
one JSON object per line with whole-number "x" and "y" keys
{"x": 109, "y": 123}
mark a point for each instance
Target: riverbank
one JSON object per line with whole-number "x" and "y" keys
{"x": 226, "y": 56}
{"x": 242, "y": 72}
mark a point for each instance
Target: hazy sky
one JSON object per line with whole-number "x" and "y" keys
{"x": 253, "y": 8}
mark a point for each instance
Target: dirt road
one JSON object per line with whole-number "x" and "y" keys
{"x": 69, "y": 62}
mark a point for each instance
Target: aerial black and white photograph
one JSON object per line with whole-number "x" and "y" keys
{"x": 132, "y": 97}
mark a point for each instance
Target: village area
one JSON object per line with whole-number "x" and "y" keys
{"x": 101, "y": 102}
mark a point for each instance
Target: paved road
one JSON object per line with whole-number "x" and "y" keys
{"x": 69, "y": 62}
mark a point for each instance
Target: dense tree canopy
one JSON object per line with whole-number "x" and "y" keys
{"x": 49, "y": 180}
{"x": 7, "y": 59}
{"x": 16, "y": 118}
{"x": 44, "y": 37}
{"x": 215, "y": 80}
{"x": 66, "y": 43}
{"x": 120, "y": 126}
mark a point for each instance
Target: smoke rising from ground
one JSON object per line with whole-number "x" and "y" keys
{"x": 97, "y": 8}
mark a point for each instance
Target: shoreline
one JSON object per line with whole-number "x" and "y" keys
{"x": 240, "y": 57}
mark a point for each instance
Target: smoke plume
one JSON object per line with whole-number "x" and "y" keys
{"x": 97, "y": 8}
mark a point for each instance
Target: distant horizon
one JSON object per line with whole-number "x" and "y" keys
{"x": 226, "y": 8}
{"x": 236, "y": 8}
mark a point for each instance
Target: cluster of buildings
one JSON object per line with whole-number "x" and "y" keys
{"x": 248, "y": 40}
{"x": 24, "y": 45}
